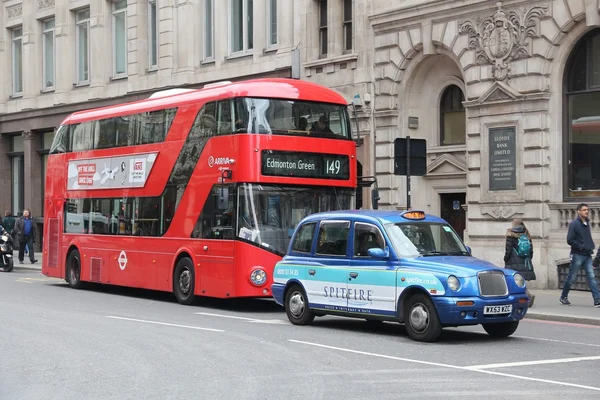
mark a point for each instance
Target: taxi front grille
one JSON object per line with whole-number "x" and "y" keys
{"x": 492, "y": 283}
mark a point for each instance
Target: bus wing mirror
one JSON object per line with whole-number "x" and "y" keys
{"x": 223, "y": 199}
{"x": 375, "y": 198}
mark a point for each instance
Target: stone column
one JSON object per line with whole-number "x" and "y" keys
{"x": 65, "y": 47}
{"x": 33, "y": 172}
{"x": 5, "y": 182}
{"x": 32, "y": 180}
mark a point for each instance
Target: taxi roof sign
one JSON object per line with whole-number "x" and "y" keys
{"x": 413, "y": 214}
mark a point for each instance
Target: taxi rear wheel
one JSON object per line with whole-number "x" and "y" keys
{"x": 502, "y": 329}
{"x": 296, "y": 306}
{"x": 421, "y": 319}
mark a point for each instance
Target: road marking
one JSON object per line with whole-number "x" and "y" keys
{"x": 254, "y": 320}
{"x": 165, "y": 323}
{"x": 538, "y": 362}
{"x": 31, "y": 280}
{"x": 563, "y": 323}
{"x": 445, "y": 365}
{"x": 556, "y": 341}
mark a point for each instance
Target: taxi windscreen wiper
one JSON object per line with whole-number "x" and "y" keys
{"x": 444, "y": 253}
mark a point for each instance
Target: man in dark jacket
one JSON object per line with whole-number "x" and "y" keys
{"x": 26, "y": 233}
{"x": 582, "y": 248}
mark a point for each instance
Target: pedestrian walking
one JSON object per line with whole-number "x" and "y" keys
{"x": 26, "y": 233}
{"x": 579, "y": 238}
{"x": 519, "y": 253}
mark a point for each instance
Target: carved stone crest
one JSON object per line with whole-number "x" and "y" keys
{"x": 43, "y": 4}
{"x": 503, "y": 37}
{"x": 14, "y": 11}
{"x": 500, "y": 211}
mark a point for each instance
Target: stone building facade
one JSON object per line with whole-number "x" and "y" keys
{"x": 61, "y": 56}
{"x": 504, "y": 93}
{"x": 527, "y": 73}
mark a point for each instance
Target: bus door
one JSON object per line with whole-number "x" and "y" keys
{"x": 52, "y": 234}
{"x": 215, "y": 228}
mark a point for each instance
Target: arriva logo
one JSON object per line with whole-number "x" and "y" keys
{"x": 219, "y": 161}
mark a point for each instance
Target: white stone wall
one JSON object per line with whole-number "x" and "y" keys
{"x": 180, "y": 51}
{"x": 418, "y": 49}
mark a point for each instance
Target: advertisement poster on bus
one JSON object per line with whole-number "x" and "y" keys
{"x": 128, "y": 171}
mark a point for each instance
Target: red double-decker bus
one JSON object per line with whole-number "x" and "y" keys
{"x": 195, "y": 192}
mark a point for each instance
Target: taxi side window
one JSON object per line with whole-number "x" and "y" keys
{"x": 333, "y": 238}
{"x": 303, "y": 241}
{"x": 366, "y": 236}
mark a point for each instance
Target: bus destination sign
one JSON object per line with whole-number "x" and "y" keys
{"x": 305, "y": 165}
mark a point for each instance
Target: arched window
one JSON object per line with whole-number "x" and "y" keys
{"x": 452, "y": 116}
{"x": 582, "y": 124}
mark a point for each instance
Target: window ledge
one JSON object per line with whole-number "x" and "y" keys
{"x": 208, "y": 61}
{"x": 237, "y": 56}
{"x": 48, "y": 90}
{"x": 331, "y": 60}
{"x": 271, "y": 49}
{"x": 81, "y": 84}
{"x": 15, "y": 96}
{"x": 447, "y": 148}
{"x": 154, "y": 68}
{"x": 118, "y": 78}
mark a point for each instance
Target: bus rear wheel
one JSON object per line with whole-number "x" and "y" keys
{"x": 73, "y": 277}
{"x": 183, "y": 281}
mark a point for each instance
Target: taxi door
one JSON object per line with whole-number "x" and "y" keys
{"x": 371, "y": 281}
{"x": 328, "y": 279}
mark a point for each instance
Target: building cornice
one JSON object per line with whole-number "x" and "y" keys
{"x": 437, "y": 10}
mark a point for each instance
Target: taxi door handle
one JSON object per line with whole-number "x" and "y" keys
{"x": 353, "y": 275}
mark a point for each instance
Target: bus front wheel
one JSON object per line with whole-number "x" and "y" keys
{"x": 183, "y": 281}
{"x": 73, "y": 277}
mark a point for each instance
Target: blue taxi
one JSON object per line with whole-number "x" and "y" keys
{"x": 407, "y": 266}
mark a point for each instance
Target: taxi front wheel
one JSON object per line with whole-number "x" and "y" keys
{"x": 421, "y": 319}
{"x": 296, "y": 306}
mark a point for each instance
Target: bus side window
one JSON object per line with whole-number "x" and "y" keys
{"x": 224, "y": 118}
{"x": 82, "y": 136}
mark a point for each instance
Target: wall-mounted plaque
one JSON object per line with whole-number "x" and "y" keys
{"x": 503, "y": 158}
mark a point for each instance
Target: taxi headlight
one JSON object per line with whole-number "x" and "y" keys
{"x": 258, "y": 277}
{"x": 519, "y": 280}
{"x": 453, "y": 283}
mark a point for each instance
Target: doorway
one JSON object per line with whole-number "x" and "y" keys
{"x": 452, "y": 211}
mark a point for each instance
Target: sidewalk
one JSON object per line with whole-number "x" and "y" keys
{"x": 546, "y": 306}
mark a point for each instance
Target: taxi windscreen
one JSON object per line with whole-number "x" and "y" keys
{"x": 425, "y": 239}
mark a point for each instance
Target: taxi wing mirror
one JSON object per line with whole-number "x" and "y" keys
{"x": 469, "y": 250}
{"x": 379, "y": 253}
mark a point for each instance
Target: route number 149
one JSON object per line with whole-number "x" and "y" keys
{"x": 333, "y": 167}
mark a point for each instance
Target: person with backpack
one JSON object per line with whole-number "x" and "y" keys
{"x": 519, "y": 253}
{"x": 579, "y": 238}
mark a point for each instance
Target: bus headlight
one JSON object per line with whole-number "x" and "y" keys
{"x": 519, "y": 280}
{"x": 453, "y": 283}
{"x": 258, "y": 277}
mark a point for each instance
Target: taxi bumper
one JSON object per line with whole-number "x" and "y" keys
{"x": 278, "y": 290}
{"x": 451, "y": 312}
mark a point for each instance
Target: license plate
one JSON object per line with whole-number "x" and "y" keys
{"x": 492, "y": 310}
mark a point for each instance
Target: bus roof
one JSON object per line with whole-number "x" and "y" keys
{"x": 279, "y": 88}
